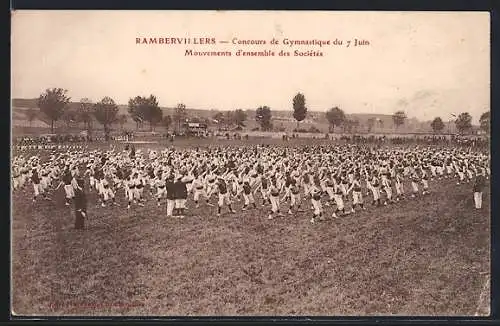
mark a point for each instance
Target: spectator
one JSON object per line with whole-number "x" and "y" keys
{"x": 479, "y": 184}
{"x": 80, "y": 205}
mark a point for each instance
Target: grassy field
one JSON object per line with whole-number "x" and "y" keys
{"x": 418, "y": 257}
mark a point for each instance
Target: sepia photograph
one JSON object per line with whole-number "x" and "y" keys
{"x": 250, "y": 163}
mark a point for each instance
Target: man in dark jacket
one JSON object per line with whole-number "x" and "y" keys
{"x": 170, "y": 186}
{"x": 80, "y": 205}
{"x": 180, "y": 195}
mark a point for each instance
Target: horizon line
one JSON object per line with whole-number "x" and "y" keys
{"x": 246, "y": 109}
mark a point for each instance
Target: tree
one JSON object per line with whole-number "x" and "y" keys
{"x": 299, "y": 108}
{"x": 349, "y": 125}
{"x": 370, "y": 123}
{"x": 69, "y": 116}
{"x": 167, "y": 121}
{"x": 218, "y": 118}
{"x": 154, "y": 114}
{"x": 122, "y": 120}
{"x": 53, "y": 103}
{"x": 240, "y": 117}
{"x": 346, "y": 125}
{"x": 143, "y": 108}
{"x": 355, "y": 124}
{"x": 399, "y": 118}
{"x": 335, "y": 117}
{"x": 263, "y": 116}
{"x": 135, "y": 111}
{"x": 437, "y": 124}
{"x": 463, "y": 122}
{"x": 85, "y": 114}
{"x": 229, "y": 119}
{"x": 485, "y": 122}
{"x": 106, "y": 113}
{"x": 156, "y": 118}
{"x": 180, "y": 115}
{"x": 380, "y": 123}
{"x": 31, "y": 114}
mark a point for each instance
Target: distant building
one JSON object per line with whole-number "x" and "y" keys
{"x": 195, "y": 128}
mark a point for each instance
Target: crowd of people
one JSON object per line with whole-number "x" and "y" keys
{"x": 51, "y": 139}
{"x": 455, "y": 140}
{"x": 475, "y": 142}
{"x": 327, "y": 180}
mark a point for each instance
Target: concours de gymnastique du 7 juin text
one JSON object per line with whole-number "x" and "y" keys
{"x": 274, "y": 47}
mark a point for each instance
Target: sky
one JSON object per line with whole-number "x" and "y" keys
{"x": 426, "y": 63}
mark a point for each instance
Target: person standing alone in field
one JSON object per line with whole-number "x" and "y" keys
{"x": 80, "y": 200}
{"x": 479, "y": 184}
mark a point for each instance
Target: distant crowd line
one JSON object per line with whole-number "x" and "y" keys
{"x": 425, "y": 140}
{"x": 478, "y": 142}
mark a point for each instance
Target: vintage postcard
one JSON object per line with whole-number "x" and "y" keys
{"x": 250, "y": 163}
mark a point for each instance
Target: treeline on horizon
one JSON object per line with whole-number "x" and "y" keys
{"x": 54, "y": 105}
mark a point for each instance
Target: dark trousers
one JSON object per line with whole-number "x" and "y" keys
{"x": 79, "y": 220}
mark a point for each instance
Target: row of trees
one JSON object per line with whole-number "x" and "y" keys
{"x": 54, "y": 103}
{"x": 235, "y": 118}
{"x": 463, "y": 122}
{"x": 337, "y": 118}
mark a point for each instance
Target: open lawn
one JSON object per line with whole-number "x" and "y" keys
{"x": 427, "y": 256}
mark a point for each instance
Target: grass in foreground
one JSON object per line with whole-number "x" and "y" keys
{"x": 423, "y": 257}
